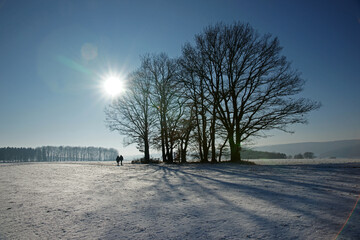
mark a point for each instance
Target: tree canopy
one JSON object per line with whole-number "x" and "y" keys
{"x": 230, "y": 85}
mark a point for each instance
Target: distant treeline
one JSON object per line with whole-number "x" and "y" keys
{"x": 252, "y": 154}
{"x": 51, "y": 154}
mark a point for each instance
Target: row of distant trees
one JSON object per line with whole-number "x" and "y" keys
{"x": 232, "y": 84}
{"x": 51, "y": 153}
{"x": 252, "y": 154}
{"x": 306, "y": 155}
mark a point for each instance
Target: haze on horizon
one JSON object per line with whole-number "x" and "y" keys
{"x": 56, "y": 57}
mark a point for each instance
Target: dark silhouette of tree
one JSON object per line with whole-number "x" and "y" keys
{"x": 153, "y": 110}
{"x": 61, "y": 153}
{"x": 252, "y": 154}
{"x": 133, "y": 114}
{"x": 185, "y": 129}
{"x": 198, "y": 97}
{"x": 241, "y": 79}
{"x": 298, "y": 156}
{"x": 309, "y": 155}
{"x": 166, "y": 98}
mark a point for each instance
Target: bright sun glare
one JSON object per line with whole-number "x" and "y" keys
{"x": 113, "y": 85}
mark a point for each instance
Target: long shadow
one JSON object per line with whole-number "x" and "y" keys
{"x": 176, "y": 184}
{"x": 264, "y": 194}
{"x": 198, "y": 187}
{"x": 260, "y": 193}
{"x": 300, "y": 181}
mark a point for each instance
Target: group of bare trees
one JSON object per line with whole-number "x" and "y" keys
{"x": 52, "y": 153}
{"x": 230, "y": 85}
{"x": 306, "y": 155}
{"x": 153, "y": 111}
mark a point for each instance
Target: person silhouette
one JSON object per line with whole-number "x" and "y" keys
{"x": 121, "y": 159}
{"x": 118, "y": 160}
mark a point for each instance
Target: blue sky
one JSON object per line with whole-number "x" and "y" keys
{"x": 50, "y": 87}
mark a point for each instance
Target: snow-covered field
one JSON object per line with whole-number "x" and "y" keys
{"x": 304, "y": 161}
{"x": 221, "y": 201}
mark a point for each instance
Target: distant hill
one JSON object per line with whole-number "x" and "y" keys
{"x": 338, "y": 149}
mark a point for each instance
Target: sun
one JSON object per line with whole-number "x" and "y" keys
{"x": 113, "y": 85}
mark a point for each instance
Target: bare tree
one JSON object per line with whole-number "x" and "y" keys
{"x": 309, "y": 155}
{"x": 132, "y": 114}
{"x": 251, "y": 87}
{"x": 185, "y": 128}
{"x": 198, "y": 96}
{"x": 166, "y": 98}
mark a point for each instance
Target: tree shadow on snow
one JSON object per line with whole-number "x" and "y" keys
{"x": 231, "y": 201}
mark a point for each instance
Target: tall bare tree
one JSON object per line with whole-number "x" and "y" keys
{"x": 197, "y": 95}
{"x": 132, "y": 114}
{"x": 166, "y": 98}
{"x": 251, "y": 86}
{"x": 185, "y": 128}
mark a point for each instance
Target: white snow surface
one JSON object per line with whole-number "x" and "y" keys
{"x": 98, "y": 200}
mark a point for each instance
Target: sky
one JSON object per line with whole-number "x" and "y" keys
{"x": 54, "y": 56}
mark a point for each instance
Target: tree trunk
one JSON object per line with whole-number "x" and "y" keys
{"x": 204, "y": 143}
{"x": 199, "y": 140}
{"x": 183, "y": 156}
{"x": 212, "y": 138}
{"x": 162, "y": 139}
{"x": 146, "y": 142}
{"x": 213, "y": 151}
{"x": 213, "y": 126}
{"x": 163, "y": 149}
{"x": 235, "y": 151}
{"x": 221, "y": 149}
{"x": 147, "y": 151}
{"x": 205, "y": 153}
{"x": 171, "y": 155}
{"x": 182, "y": 152}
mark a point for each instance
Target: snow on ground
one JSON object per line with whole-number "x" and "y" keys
{"x": 304, "y": 161}
{"x": 221, "y": 201}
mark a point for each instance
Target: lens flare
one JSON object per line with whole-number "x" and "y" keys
{"x": 89, "y": 51}
{"x": 347, "y": 220}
